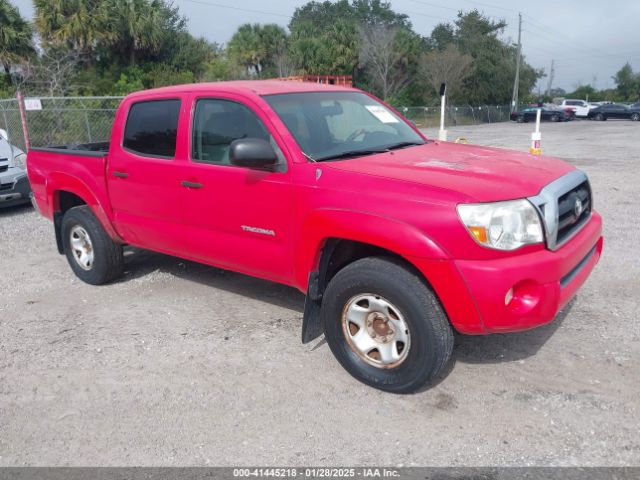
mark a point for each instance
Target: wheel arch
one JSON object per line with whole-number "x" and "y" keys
{"x": 333, "y": 240}
{"x": 66, "y": 192}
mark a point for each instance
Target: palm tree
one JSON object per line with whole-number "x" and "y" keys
{"x": 15, "y": 36}
{"x": 74, "y": 23}
{"x": 247, "y": 49}
{"x": 140, "y": 26}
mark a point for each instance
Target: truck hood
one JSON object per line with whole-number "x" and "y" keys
{"x": 482, "y": 174}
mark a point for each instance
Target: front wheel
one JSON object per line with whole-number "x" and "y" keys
{"x": 385, "y": 326}
{"x": 600, "y": 117}
{"x": 635, "y": 117}
{"x": 93, "y": 256}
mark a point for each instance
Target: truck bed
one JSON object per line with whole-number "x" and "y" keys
{"x": 95, "y": 149}
{"x": 73, "y": 168}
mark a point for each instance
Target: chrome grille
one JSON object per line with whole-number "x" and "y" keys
{"x": 574, "y": 207}
{"x": 565, "y": 206}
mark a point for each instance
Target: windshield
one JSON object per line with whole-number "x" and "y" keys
{"x": 331, "y": 125}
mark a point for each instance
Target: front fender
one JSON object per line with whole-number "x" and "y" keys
{"x": 384, "y": 232}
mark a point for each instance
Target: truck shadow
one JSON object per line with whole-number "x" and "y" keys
{"x": 489, "y": 349}
{"x": 140, "y": 263}
{"x": 499, "y": 347}
{"x": 507, "y": 347}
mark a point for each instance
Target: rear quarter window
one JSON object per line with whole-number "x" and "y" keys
{"x": 152, "y": 128}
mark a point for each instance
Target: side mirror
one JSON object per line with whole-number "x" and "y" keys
{"x": 4, "y": 135}
{"x": 252, "y": 153}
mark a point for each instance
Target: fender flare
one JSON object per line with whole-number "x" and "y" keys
{"x": 325, "y": 224}
{"x": 60, "y": 182}
{"x": 383, "y": 232}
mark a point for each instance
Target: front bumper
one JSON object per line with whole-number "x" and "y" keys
{"x": 14, "y": 190}
{"x": 519, "y": 292}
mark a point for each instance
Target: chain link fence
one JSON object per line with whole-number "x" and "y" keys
{"x": 61, "y": 120}
{"x": 77, "y": 120}
{"x": 429, "y": 117}
{"x": 10, "y": 121}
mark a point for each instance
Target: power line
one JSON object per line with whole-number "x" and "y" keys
{"x": 436, "y": 5}
{"x": 535, "y": 23}
{"x": 240, "y": 9}
{"x": 493, "y": 6}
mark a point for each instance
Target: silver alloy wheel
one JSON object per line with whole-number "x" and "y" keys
{"x": 81, "y": 247}
{"x": 376, "y": 330}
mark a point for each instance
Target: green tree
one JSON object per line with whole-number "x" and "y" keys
{"x": 247, "y": 50}
{"x": 76, "y": 24}
{"x": 139, "y": 28}
{"x": 325, "y": 36}
{"x": 494, "y": 61}
{"x": 275, "y": 40}
{"x": 627, "y": 83}
{"x": 15, "y": 36}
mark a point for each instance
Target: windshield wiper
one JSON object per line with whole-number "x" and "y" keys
{"x": 398, "y": 145}
{"x": 352, "y": 153}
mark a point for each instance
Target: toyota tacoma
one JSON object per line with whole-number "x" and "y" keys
{"x": 396, "y": 240}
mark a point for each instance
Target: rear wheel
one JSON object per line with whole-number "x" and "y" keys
{"x": 385, "y": 326}
{"x": 635, "y": 117}
{"x": 520, "y": 119}
{"x": 93, "y": 256}
{"x": 555, "y": 118}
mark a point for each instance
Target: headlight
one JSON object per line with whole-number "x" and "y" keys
{"x": 20, "y": 160}
{"x": 502, "y": 225}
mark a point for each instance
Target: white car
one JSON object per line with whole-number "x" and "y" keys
{"x": 14, "y": 184}
{"x": 579, "y": 107}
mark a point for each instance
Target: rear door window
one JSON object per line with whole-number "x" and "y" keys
{"x": 152, "y": 128}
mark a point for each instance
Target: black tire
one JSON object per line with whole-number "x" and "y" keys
{"x": 554, "y": 118}
{"x": 431, "y": 335}
{"x": 600, "y": 117}
{"x": 520, "y": 119}
{"x": 635, "y": 117}
{"x": 108, "y": 260}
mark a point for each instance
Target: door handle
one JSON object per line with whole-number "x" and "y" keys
{"x": 187, "y": 184}
{"x": 120, "y": 174}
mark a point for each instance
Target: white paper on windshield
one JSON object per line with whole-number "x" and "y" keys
{"x": 381, "y": 113}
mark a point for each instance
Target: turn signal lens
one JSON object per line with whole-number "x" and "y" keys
{"x": 480, "y": 234}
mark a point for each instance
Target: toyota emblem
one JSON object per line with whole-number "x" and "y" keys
{"x": 577, "y": 207}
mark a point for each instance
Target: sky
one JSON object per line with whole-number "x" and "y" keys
{"x": 589, "y": 40}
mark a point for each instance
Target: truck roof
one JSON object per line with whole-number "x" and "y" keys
{"x": 256, "y": 87}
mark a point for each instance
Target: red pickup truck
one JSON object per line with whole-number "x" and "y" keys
{"x": 396, "y": 240}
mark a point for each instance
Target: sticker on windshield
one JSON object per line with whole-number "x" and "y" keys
{"x": 381, "y": 113}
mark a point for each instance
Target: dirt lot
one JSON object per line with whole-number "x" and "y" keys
{"x": 181, "y": 364}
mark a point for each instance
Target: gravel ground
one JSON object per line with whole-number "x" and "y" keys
{"x": 182, "y": 364}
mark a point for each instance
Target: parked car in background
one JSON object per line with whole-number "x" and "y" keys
{"x": 580, "y": 108}
{"x": 549, "y": 113}
{"x": 615, "y": 110}
{"x": 14, "y": 184}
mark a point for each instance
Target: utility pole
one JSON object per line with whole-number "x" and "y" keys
{"x": 552, "y": 72}
{"x": 516, "y": 83}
